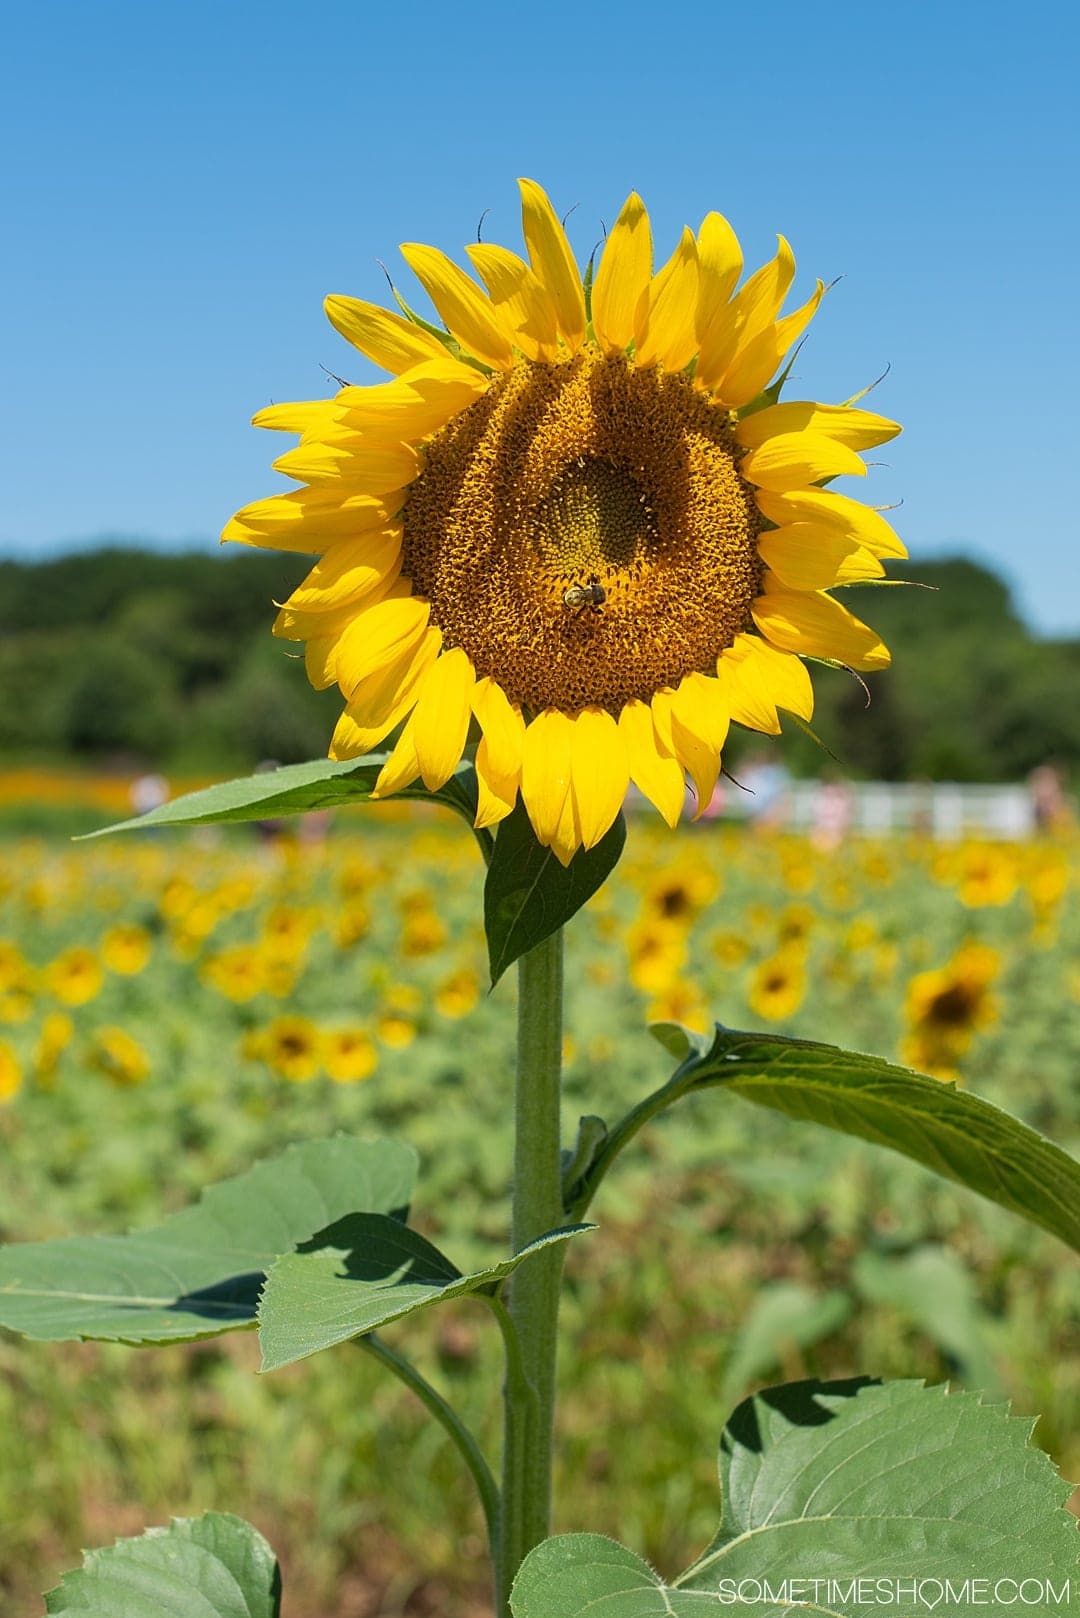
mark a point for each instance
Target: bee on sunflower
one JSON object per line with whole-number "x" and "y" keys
{"x": 578, "y": 519}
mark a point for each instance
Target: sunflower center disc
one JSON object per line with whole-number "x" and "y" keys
{"x": 568, "y": 474}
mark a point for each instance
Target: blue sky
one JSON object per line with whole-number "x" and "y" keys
{"x": 186, "y": 181}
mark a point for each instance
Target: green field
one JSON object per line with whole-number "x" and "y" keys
{"x": 172, "y": 1008}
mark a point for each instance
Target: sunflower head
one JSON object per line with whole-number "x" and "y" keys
{"x": 578, "y": 526}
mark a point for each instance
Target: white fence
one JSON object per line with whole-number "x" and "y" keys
{"x": 942, "y": 810}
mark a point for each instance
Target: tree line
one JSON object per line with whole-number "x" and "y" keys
{"x": 136, "y": 658}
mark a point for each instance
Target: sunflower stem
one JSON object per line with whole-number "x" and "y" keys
{"x": 529, "y": 1395}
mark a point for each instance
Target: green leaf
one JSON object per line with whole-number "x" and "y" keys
{"x": 297, "y": 789}
{"x": 956, "y": 1134}
{"x": 215, "y": 1566}
{"x": 198, "y": 1274}
{"x": 784, "y": 1315}
{"x": 529, "y": 894}
{"x": 364, "y": 1271}
{"x": 934, "y": 1288}
{"x": 828, "y": 1484}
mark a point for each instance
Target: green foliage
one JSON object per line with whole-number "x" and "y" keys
{"x": 198, "y": 1274}
{"x": 297, "y": 789}
{"x": 971, "y": 695}
{"x": 842, "y": 1481}
{"x": 956, "y": 1134}
{"x": 169, "y": 659}
{"x": 529, "y": 895}
{"x": 359, "y": 1274}
{"x": 214, "y": 1566}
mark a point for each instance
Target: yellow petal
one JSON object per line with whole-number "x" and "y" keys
{"x": 653, "y": 770}
{"x": 503, "y": 728}
{"x": 401, "y": 768}
{"x": 805, "y": 556}
{"x": 387, "y": 339}
{"x": 545, "y": 771}
{"x": 377, "y": 637}
{"x": 754, "y": 306}
{"x": 669, "y": 337}
{"x": 553, "y": 262}
{"x": 523, "y": 306}
{"x": 817, "y": 626}
{"x": 384, "y": 698}
{"x": 699, "y": 715}
{"x": 755, "y": 362}
{"x": 761, "y": 679}
{"x": 417, "y": 404}
{"x": 838, "y": 511}
{"x": 495, "y": 794}
{"x": 600, "y": 772}
{"x": 441, "y": 717}
{"x": 350, "y": 571}
{"x": 300, "y": 416}
{"x": 319, "y": 661}
{"x": 310, "y": 520}
{"x": 792, "y": 459}
{"x": 468, "y": 314}
{"x": 566, "y": 838}
{"x": 720, "y": 262}
{"x": 621, "y": 290}
{"x": 366, "y": 468}
{"x": 858, "y": 429}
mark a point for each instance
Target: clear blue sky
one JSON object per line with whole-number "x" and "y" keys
{"x": 186, "y": 180}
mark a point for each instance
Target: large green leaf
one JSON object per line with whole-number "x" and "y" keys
{"x": 846, "y": 1497}
{"x": 360, "y": 1273}
{"x": 215, "y": 1566}
{"x": 529, "y": 894}
{"x": 296, "y": 789}
{"x": 945, "y": 1128}
{"x": 199, "y": 1273}
{"x": 784, "y": 1315}
{"x": 934, "y": 1288}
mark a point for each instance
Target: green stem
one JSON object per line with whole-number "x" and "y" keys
{"x": 529, "y": 1395}
{"x": 462, "y": 1438}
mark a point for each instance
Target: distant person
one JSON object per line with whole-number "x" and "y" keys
{"x": 149, "y": 792}
{"x": 1051, "y": 805}
{"x": 832, "y": 813}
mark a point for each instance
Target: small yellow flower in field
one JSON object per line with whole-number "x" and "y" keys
{"x": 458, "y": 994}
{"x": 10, "y": 1072}
{"x": 796, "y": 924}
{"x": 75, "y": 976}
{"x": 287, "y": 932}
{"x": 16, "y": 1006}
{"x": 778, "y": 986}
{"x": 947, "y": 1007}
{"x": 349, "y": 1055}
{"x": 678, "y": 893}
{"x": 239, "y": 972}
{"x": 126, "y": 949}
{"x": 681, "y": 1002}
{"x": 577, "y": 518}
{"x": 730, "y": 949}
{"x": 423, "y": 931}
{"x": 658, "y": 953}
{"x": 860, "y": 935}
{"x": 120, "y": 1057}
{"x": 57, "y": 1032}
{"x": 351, "y": 924}
{"x": 15, "y": 972}
{"x": 988, "y": 875}
{"x": 1047, "y": 881}
{"x": 292, "y": 1048}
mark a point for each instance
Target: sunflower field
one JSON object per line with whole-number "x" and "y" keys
{"x": 175, "y": 1006}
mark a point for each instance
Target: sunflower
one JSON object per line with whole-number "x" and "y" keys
{"x": 778, "y": 986}
{"x": 578, "y": 519}
{"x": 947, "y": 1007}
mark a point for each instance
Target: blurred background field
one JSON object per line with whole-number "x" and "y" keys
{"x": 174, "y": 1006}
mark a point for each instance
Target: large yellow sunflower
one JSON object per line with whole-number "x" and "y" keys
{"x": 576, "y": 521}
